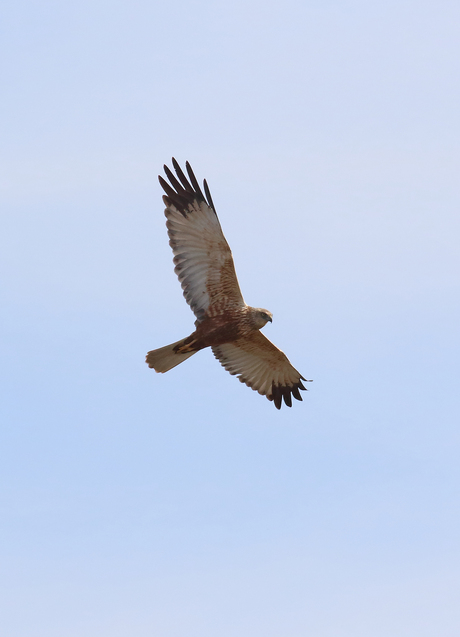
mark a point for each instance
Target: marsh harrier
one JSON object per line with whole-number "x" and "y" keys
{"x": 204, "y": 265}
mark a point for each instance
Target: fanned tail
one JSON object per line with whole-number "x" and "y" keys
{"x": 165, "y": 358}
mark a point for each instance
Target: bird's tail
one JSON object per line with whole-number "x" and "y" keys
{"x": 165, "y": 358}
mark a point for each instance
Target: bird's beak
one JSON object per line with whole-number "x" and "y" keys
{"x": 270, "y": 319}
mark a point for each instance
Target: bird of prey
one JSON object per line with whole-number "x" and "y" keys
{"x": 204, "y": 264}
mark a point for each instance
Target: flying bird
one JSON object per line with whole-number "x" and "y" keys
{"x": 204, "y": 264}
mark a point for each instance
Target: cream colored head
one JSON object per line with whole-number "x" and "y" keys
{"x": 261, "y": 317}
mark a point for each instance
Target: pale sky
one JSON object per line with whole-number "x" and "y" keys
{"x": 184, "y": 504}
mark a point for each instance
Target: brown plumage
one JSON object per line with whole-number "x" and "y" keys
{"x": 204, "y": 264}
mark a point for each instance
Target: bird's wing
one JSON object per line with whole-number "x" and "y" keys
{"x": 262, "y": 366}
{"x": 202, "y": 256}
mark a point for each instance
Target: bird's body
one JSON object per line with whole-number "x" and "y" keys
{"x": 223, "y": 328}
{"x": 204, "y": 265}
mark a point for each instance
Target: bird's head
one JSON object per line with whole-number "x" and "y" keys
{"x": 262, "y": 317}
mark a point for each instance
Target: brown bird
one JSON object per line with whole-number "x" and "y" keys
{"x": 204, "y": 265}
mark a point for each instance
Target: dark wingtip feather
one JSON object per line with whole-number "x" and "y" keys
{"x": 285, "y": 392}
{"x": 207, "y": 192}
{"x": 296, "y": 393}
{"x": 277, "y": 396}
{"x": 178, "y": 199}
{"x": 193, "y": 180}
{"x": 181, "y": 191}
{"x": 182, "y": 178}
{"x": 172, "y": 178}
{"x": 166, "y": 187}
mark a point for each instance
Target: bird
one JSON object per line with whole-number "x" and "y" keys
{"x": 224, "y": 322}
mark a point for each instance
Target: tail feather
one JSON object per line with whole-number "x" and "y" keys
{"x": 165, "y": 358}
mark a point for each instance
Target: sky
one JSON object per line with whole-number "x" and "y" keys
{"x": 134, "y": 503}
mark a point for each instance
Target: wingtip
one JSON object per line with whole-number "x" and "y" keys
{"x": 207, "y": 192}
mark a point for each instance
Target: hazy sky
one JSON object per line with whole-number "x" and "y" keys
{"x": 184, "y": 504}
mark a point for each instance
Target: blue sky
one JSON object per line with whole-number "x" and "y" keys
{"x": 184, "y": 504}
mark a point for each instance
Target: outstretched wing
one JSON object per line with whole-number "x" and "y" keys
{"x": 262, "y": 366}
{"x": 202, "y": 256}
